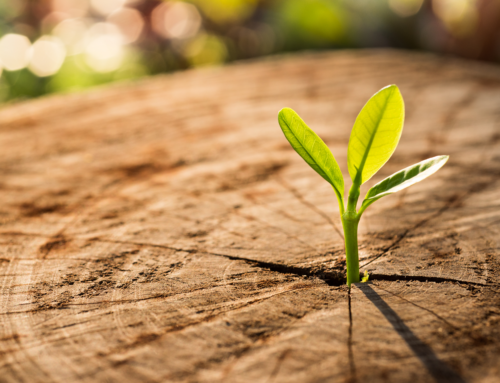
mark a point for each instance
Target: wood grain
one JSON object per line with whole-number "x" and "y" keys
{"x": 164, "y": 230}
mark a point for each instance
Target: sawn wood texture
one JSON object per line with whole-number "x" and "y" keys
{"x": 165, "y": 231}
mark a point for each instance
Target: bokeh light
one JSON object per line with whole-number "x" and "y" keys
{"x": 130, "y": 23}
{"x": 326, "y": 22}
{"x": 106, "y": 7}
{"x": 459, "y": 16}
{"x": 109, "y": 40}
{"x": 51, "y": 20}
{"x": 14, "y": 51}
{"x": 72, "y": 33}
{"x": 104, "y": 47}
{"x": 405, "y": 8}
{"x": 72, "y": 8}
{"x": 176, "y": 20}
{"x": 47, "y": 56}
{"x": 206, "y": 49}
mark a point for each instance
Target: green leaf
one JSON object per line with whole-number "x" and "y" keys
{"x": 365, "y": 277}
{"x": 375, "y": 134}
{"x": 312, "y": 149}
{"x": 402, "y": 179}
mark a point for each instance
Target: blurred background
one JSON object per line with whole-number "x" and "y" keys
{"x": 49, "y": 46}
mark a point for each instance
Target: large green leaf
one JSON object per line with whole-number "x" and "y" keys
{"x": 404, "y": 178}
{"x": 312, "y": 149}
{"x": 375, "y": 134}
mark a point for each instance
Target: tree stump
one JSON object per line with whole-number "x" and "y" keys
{"x": 164, "y": 230}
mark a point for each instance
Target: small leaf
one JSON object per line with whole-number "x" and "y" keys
{"x": 375, "y": 134}
{"x": 404, "y": 178}
{"x": 312, "y": 149}
{"x": 365, "y": 277}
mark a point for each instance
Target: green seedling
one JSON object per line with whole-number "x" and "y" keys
{"x": 374, "y": 138}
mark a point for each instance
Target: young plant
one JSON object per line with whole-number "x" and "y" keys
{"x": 374, "y": 138}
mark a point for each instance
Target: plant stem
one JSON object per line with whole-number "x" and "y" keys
{"x": 350, "y": 223}
{"x": 350, "y": 220}
{"x": 352, "y": 199}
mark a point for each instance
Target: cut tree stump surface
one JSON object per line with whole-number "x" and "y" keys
{"x": 165, "y": 230}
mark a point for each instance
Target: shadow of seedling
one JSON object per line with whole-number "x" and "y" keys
{"x": 438, "y": 369}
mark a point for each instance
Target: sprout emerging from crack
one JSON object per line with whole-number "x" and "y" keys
{"x": 373, "y": 140}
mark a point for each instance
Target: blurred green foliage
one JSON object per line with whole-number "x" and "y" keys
{"x": 327, "y": 24}
{"x": 128, "y": 39}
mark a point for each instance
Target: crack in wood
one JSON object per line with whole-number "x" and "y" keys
{"x": 421, "y": 278}
{"x": 330, "y": 276}
{"x": 455, "y": 200}
{"x": 352, "y": 366}
{"x": 125, "y": 300}
{"x": 336, "y": 278}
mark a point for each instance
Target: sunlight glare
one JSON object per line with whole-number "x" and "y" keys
{"x": 104, "y": 47}
{"x": 47, "y": 56}
{"x": 14, "y": 51}
{"x": 72, "y": 33}
{"x": 73, "y": 8}
{"x": 176, "y": 20}
{"x": 106, "y": 7}
{"x": 130, "y": 23}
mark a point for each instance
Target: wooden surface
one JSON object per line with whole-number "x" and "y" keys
{"x": 164, "y": 230}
